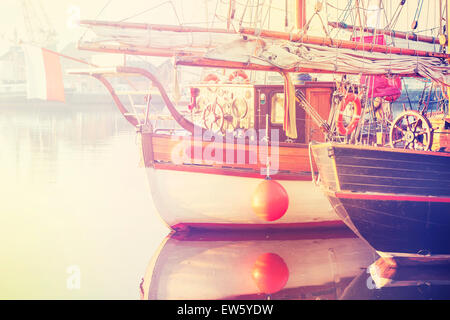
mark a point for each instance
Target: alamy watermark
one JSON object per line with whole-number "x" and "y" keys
{"x": 252, "y": 147}
{"x": 73, "y": 281}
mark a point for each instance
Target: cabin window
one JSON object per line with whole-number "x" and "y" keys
{"x": 277, "y": 108}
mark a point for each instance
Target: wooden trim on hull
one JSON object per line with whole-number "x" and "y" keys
{"x": 230, "y": 172}
{"x": 396, "y": 150}
{"x": 384, "y": 171}
{"x": 289, "y": 161}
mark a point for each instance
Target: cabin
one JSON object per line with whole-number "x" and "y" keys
{"x": 234, "y": 107}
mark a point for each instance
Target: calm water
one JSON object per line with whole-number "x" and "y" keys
{"x": 72, "y": 196}
{"x": 74, "y": 201}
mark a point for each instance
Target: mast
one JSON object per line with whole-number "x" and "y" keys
{"x": 300, "y": 14}
{"x": 447, "y": 20}
{"x": 39, "y": 29}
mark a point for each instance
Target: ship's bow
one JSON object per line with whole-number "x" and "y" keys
{"x": 397, "y": 200}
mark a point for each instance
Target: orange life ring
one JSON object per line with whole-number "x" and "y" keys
{"x": 238, "y": 74}
{"x": 444, "y": 92}
{"x": 343, "y": 129}
{"x": 211, "y": 78}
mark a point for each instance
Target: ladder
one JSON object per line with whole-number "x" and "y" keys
{"x": 139, "y": 111}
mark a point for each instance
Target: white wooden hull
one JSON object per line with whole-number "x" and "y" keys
{"x": 220, "y": 201}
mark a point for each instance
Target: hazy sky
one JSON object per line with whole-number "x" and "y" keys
{"x": 61, "y": 12}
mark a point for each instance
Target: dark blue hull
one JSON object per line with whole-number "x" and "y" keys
{"x": 397, "y": 226}
{"x": 398, "y": 201}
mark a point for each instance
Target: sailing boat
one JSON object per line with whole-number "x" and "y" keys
{"x": 238, "y": 138}
{"x": 390, "y": 181}
{"x": 366, "y": 165}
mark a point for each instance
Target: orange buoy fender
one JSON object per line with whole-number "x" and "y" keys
{"x": 270, "y": 273}
{"x": 211, "y": 78}
{"x": 353, "y": 99}
{"x": 270, "y": 200}
{"x": 238, "y": 74}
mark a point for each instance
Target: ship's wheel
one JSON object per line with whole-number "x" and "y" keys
{"x": 213, "y": 117}
{"x": 231, "y": 120}
{"x": 411, "y": 130}
{"x": 202, "y": 103}
{"x": 239, "y": 108}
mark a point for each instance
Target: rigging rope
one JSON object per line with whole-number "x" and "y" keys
{"x": 417, "y": 14}
{"x": 153, "y": 8}
{"x": 396, "y": 15}
{"x": 96, "y": 17}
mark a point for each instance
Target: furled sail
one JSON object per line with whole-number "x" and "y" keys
{"x": 143, "y": 39}
{"x": 192, "y": 45}
{"x": 297, "y": 57}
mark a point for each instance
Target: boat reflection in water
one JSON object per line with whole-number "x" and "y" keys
{"x": 385, "y": 280}
{"x": 307, "y": 264}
